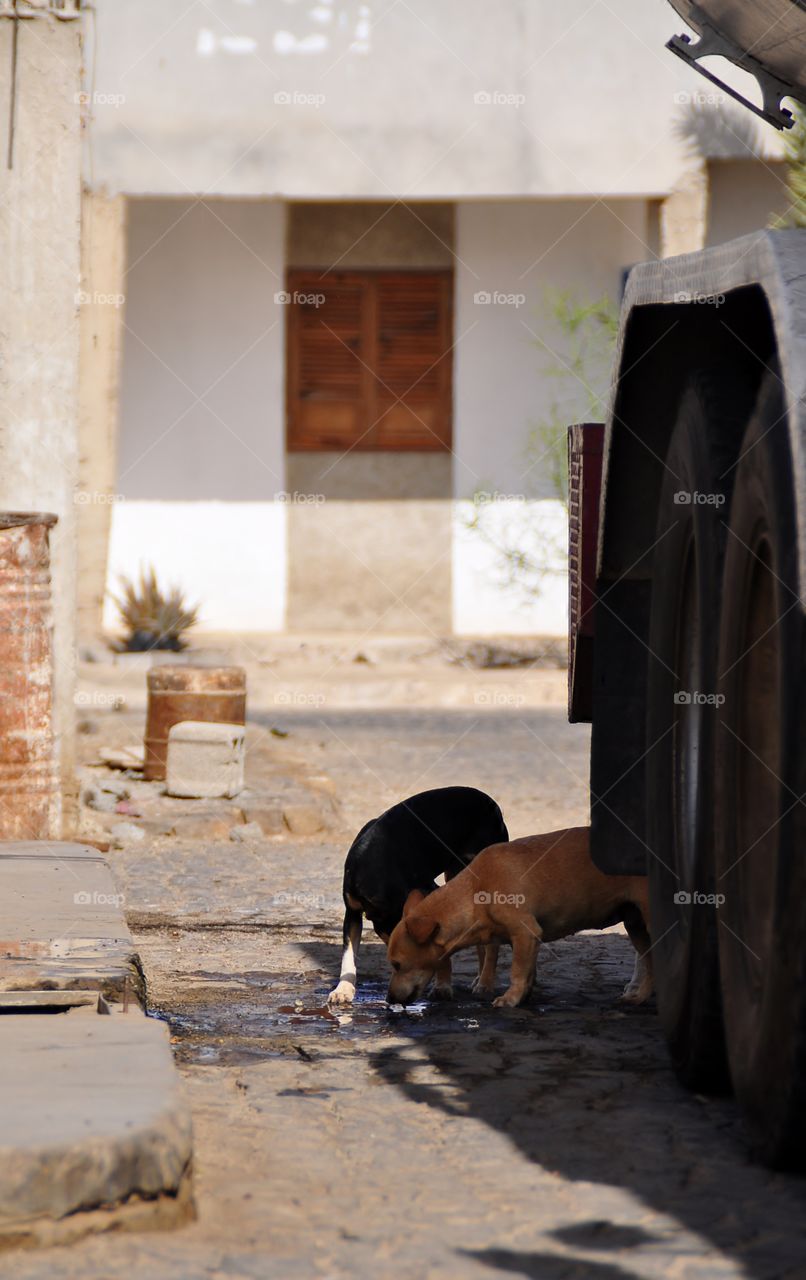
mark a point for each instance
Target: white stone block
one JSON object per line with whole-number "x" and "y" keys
{"x": 205, "y": 759}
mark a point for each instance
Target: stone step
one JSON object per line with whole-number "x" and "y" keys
{"x": 94, "y": 1131}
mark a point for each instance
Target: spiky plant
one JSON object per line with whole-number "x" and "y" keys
{"x": 154, "y": 619}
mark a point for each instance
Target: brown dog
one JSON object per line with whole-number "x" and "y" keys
{"x": 526, "y": 892}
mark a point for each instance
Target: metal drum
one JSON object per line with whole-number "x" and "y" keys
{"x": 177, "y": 693}
{"x": 30, "y": 797}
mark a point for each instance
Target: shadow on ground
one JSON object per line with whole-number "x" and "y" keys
{"x": 583, "y": 1088}
{"x": 577, "y": 1084}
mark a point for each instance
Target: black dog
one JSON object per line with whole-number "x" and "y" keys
{"x": 406, "y": 848}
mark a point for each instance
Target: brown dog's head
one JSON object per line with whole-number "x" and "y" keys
{"x": 414, "y": 952}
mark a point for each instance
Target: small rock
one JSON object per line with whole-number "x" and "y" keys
{"x": 125, "y": 758}
{"x": 303, "y": 819}
{"x": 123, "y": 833}
{"x": 246, "y": 831}
{"x": 158, "y": 827}
{"x": 202, "y": 826}
{"x": 104, "y": 796}
{"x": 268, "y": 817}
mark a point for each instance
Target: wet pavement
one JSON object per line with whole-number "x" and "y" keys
{"x": 446, "y": 1142}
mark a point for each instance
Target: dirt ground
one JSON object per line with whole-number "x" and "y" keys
{"x": 450, "y": 1141}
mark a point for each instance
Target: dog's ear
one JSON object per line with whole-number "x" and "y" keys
{"x": 414, "y": 899}
{"x": 421, "y": 928}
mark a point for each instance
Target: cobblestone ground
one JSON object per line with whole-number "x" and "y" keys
{"x": 548, "y": 1142}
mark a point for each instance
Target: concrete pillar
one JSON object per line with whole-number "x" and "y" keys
{"x": 39, "y": 278}
{"x": 103, "y": 267}
{"x": 684, "y": 213}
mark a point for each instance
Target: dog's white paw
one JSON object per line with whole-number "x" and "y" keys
{"x": 344, "y": 993}
{"x": 442, "y": 991}
{"x": 506, "y": 1001}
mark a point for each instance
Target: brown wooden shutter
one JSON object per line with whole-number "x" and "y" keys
{"x": 369, "y": 360}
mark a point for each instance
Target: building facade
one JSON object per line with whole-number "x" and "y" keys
{"x": 327, "y": 241}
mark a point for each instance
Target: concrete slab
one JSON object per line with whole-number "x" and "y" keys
{"x": 94, "y": 1133}
{"x": 61, "y": 922}
{"x": 205, "y": 759}
{"x": 94, "y": 1129}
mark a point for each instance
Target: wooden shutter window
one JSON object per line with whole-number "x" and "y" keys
{"x": 369, "y": 360}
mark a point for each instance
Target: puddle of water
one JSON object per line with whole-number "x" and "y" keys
{"x": 244, "y": 1017}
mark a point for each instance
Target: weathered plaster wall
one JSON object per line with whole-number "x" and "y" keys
{"x": 103, "y": 284}
{"x": 39, "y": 334}
{"x": 453, "y": 100}
{"x": 370, "y": 235}
{"x": 380, "y": 565}
{"x": 202, "y": 408}
{"x": 511, "y": 260}
{"x": 744, "y": 195}
{"x": 369, "y": 541}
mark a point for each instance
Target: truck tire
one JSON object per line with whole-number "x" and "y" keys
{"x": 761, "y": 781}
{"x": 681, "y": 712}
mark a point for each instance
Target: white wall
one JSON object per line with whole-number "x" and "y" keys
{"x": 515, "y": 254}
{"x": 525, "y": 251}
{"x": 229, "y": 557}
{"x": 201, "y": 480}
{"x": 354, "y": 99}
{"x": 486, "y": 600}
{"x": 202, "y": 390}
{"x": 201, "y": 473}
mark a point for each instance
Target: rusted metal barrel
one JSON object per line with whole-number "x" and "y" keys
{"x": 30, "y": 797}
{"x": 177, "y": 693}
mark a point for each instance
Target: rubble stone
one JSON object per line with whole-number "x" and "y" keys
{"x": 304, "y": 819}
{"x": 268, "y": 817}
{"x": 205, "y": 759}
{"x": 123, "y": 833}
{"x": 247, "y": 831}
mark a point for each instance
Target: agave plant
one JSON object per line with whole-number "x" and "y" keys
{"x": 154, "y": 619}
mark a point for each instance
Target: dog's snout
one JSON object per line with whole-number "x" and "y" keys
{"x": 401, "y": 992}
